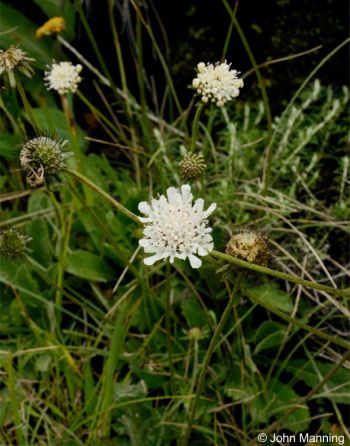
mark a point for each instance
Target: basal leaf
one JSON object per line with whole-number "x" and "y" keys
{"x": 89, "y": 266}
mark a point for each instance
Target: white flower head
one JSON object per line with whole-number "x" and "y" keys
{"x": 174, "y": 227}
{"x": 63, "y": 77}
{"x": 217, "y": 83}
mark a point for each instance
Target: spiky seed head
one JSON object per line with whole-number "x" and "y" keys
{"x": 13, "y": 244}
{"x": 41, "y": 158}
{"x": 250, "y": 246}
{"x": 192, "y": 166}
{"x": 15, "y": 58}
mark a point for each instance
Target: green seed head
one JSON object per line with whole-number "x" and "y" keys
{"x": 192, "y": 166}
{"x": 12, "y": 244}
{"x": 42, "y": 157}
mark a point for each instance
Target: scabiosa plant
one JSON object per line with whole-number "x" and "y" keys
{"x": 217, "y": 83}
{"x": 176, "y": 228}
{"x": 250, "y": 246}
{"x": 63, "y": 77}
{"x": 42, "y": 159}
{"x": 13, "y": 244}
{"x": 192, "y": 166}
{"x": 15, "y": 59}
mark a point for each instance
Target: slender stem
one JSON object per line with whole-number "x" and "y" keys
{"x": 116, "y": 347}
{"x": 64, "y": 242}
{"x": 168, "y": 330}
{"x": 321, "y": 334}
{"x": 27, "y": 105}
{"x": 208, "y": 355}
{"x": 104, "y": 194}
{"x": 72, "y": 128}
{"x": 278, "y": 274}
{"x": 11, "y": 385}
{"x": 216, "y": 254}
{"x": 195, "y": 126}
{"x": 268, "y": 151}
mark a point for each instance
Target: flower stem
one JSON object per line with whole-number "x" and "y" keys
{"x": 219, "y": 255}
{"x": 272, "y": 272}
{"x": 13, "y": 399}
{"x": 168, "y": 329}
{"x": 27, "y": 105}
{"x": 208, "y": 355}
{"x": 195, "y": 126}
{"x": 101, "y": 192}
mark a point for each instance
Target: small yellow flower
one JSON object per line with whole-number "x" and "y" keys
{"x": 54, "y": 25}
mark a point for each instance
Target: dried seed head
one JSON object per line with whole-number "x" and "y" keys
{"x": 12, "y": 244}
{"x": 192, "y": 166}
{"x": 41, "y": 158}
{"x": 250, "y": 246}
{"x": 15, "y": 58}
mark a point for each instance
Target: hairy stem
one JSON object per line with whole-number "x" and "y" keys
{"x": 272, "y": 272}
{"x": 101, "y": 192}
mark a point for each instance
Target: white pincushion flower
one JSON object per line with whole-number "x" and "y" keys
{"x": 63, "y": 77}
{"x": 217, "y": 83}
{"x": 174, "y": 227}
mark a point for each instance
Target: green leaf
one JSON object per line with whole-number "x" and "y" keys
{"x": 52, "y": 119}
{"x": 266, "y": 328}
{"x": 272, "y": 295}
{"x": 89, "y": 266}
{"x": 38, "y": 201}
{"x": 18, "y": 273}
{"x": 40, "y": 244}
{"x": 338, "y": 387}
{"x": 282, "y": 398}
{"x": 8, "y": 145}
{"x": 193, "y": 313}
{"x": 270, "y": 341}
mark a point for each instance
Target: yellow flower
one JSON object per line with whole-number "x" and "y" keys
{"x": 54, "y": 25}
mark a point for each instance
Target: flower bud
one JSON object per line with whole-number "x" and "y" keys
{"x": 12, "y": 244}
{"x": 192, "y": 166}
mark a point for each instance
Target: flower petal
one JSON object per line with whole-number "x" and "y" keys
{"x": 194, "y": 261}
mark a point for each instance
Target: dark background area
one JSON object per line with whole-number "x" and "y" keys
{"x": 193, "y": 31}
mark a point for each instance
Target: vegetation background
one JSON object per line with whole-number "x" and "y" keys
{"x": 98, "y": 349}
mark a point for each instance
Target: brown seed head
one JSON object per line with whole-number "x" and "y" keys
{"x": 250, "y": 246}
